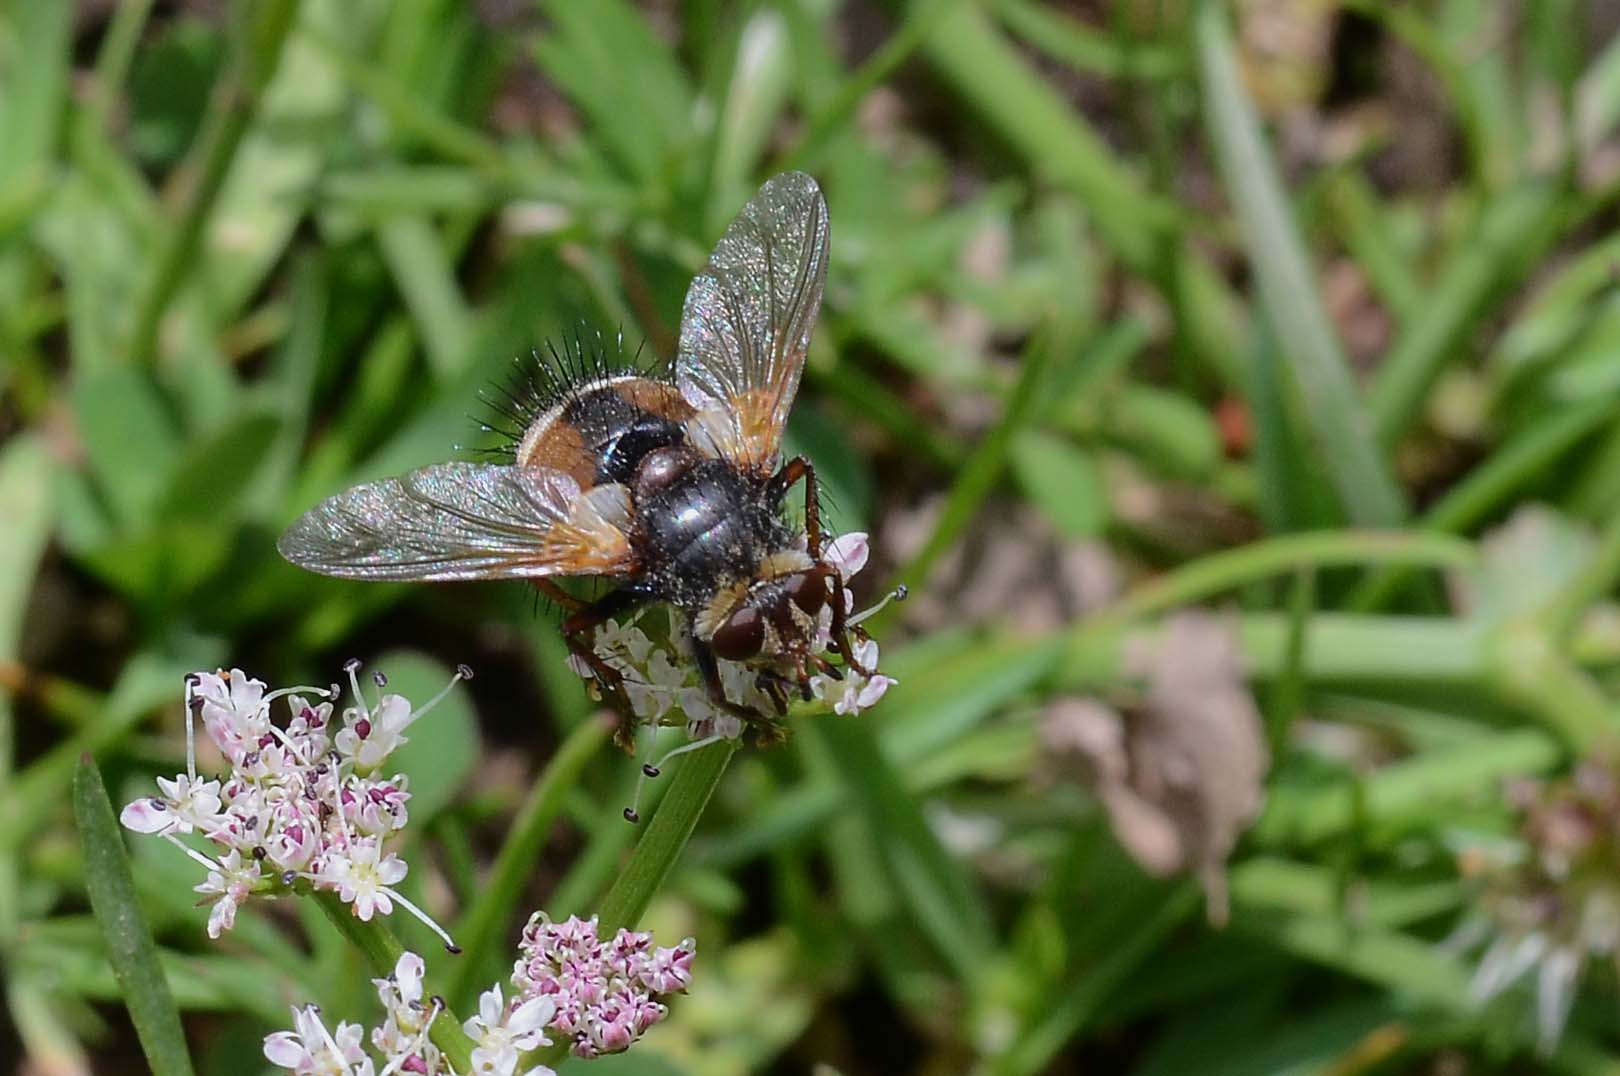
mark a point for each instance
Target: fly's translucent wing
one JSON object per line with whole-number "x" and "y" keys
{"x": 465, "y": 521}
{"x": 747, "y": 320}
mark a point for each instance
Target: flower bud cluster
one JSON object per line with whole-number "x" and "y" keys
{"x": 305, "y": 802}
{"x": 605, "y": 994}
{"x": 663, "y": 687}
{"x": 1551, "y": 901}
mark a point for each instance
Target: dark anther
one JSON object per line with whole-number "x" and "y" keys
{"x": 362, "y": 728}
{"x": 452, "y": 948}
{"x": 259, "y": 852}
{"x": 352, "y": 665}
{"x": 159, "y": 805}
{"x": 193, "y": 679}
{"x": 900, "y": 592}
{"x": 804, "y": 691}
{"x": 631, "y": 816}
{"x": 289, "y": 877}
{"x": 464, "y": 671}
{"x": 649, "y": 769}
{"x": 379, "y": 679}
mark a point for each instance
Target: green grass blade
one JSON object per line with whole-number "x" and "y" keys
{"x": 1321, "y": 375}
{"x": 130, "y": 949}
{"x": 1512, "y": 233}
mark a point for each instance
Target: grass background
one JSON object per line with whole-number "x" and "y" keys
{"x": 1193, "y": 296}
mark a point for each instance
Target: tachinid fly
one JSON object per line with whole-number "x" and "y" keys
{"x": 672, "y": 487}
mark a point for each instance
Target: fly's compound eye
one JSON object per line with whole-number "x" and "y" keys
{"x": 742, "y": 636}
{"x": 809, "y": 592}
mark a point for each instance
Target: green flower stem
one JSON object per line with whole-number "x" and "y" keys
{"x": 231, "y": 112}
{"x": 500, "y": 892}
{"x": 1229, "y": 569}
{"x": 655, "y": 854}
{"x": 382, "y": 951}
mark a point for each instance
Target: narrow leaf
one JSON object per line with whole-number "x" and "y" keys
{"x": 1321, "y": 375}
{"x": 130, "y": 949}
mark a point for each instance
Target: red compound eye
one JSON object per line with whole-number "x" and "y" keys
{"x": 809, "y": 592}
{"x": 742, "y": 636}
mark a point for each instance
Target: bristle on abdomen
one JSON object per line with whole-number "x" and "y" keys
{"x": 551, "y": 375}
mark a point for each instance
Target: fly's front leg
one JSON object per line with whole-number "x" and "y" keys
{"x": 794, "y": 469}
{"x": 579, "y": 633}
{"x": 769, "y": 729}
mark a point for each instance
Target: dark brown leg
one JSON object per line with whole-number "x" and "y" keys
{"x": 768, "y": 729}
{"x": 794, "y": 469}
{"x": 551, "y": 590}
{"x": 579, "y": 632}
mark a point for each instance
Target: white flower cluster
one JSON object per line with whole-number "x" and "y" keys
{"x": 502, "y": 1033}
{"x": 664, "y": 687}
{"x": 305, "y": 804}
{"x": 1549, "y": 903}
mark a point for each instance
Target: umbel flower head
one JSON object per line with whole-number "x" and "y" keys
{"x": 605, "y": 994}
{"x": 601, "y": 995}
{"x": 1551, "y": 902}
{"x": 662, "y": 685}
{"x": 305, "y": 803}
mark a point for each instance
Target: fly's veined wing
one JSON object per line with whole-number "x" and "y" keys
{"x": 465, "y": 521}
{"x": 747, "y": 320}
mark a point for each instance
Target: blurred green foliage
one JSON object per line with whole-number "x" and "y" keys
{"x": 1204, "y": 292}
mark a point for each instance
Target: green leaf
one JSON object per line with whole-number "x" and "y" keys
{"x": 443, "y": 745}
{"x": 210, "y": 478}
{"x": 1063, "y": 483}
{"x": 1321, "y": 375}
{"x": 130, "y": 440}
{"x": 130, "y": 949}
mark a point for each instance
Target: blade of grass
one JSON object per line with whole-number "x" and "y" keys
{"x": 130, "y": 949}
{"x": 1081, "y": 998}
{"x": 941, "y": 896}
{"x": 1320, "y": 373}
{"x": 231, "y": 112}
{"x": 1514, "y": 230}
{"x": 1509, "y": 470}
{"x": 1228, "y": 569}
{"x": 980, "y": 473}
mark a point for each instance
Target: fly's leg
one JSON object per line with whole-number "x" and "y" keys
{"x": 768, "y": 729}
{"x": 792, "y": 471}
{"x": 579, "y": 633}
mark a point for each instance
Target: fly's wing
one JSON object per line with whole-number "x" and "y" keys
{"x": 466, "y": 521}
{"x": 747, "y": 320}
